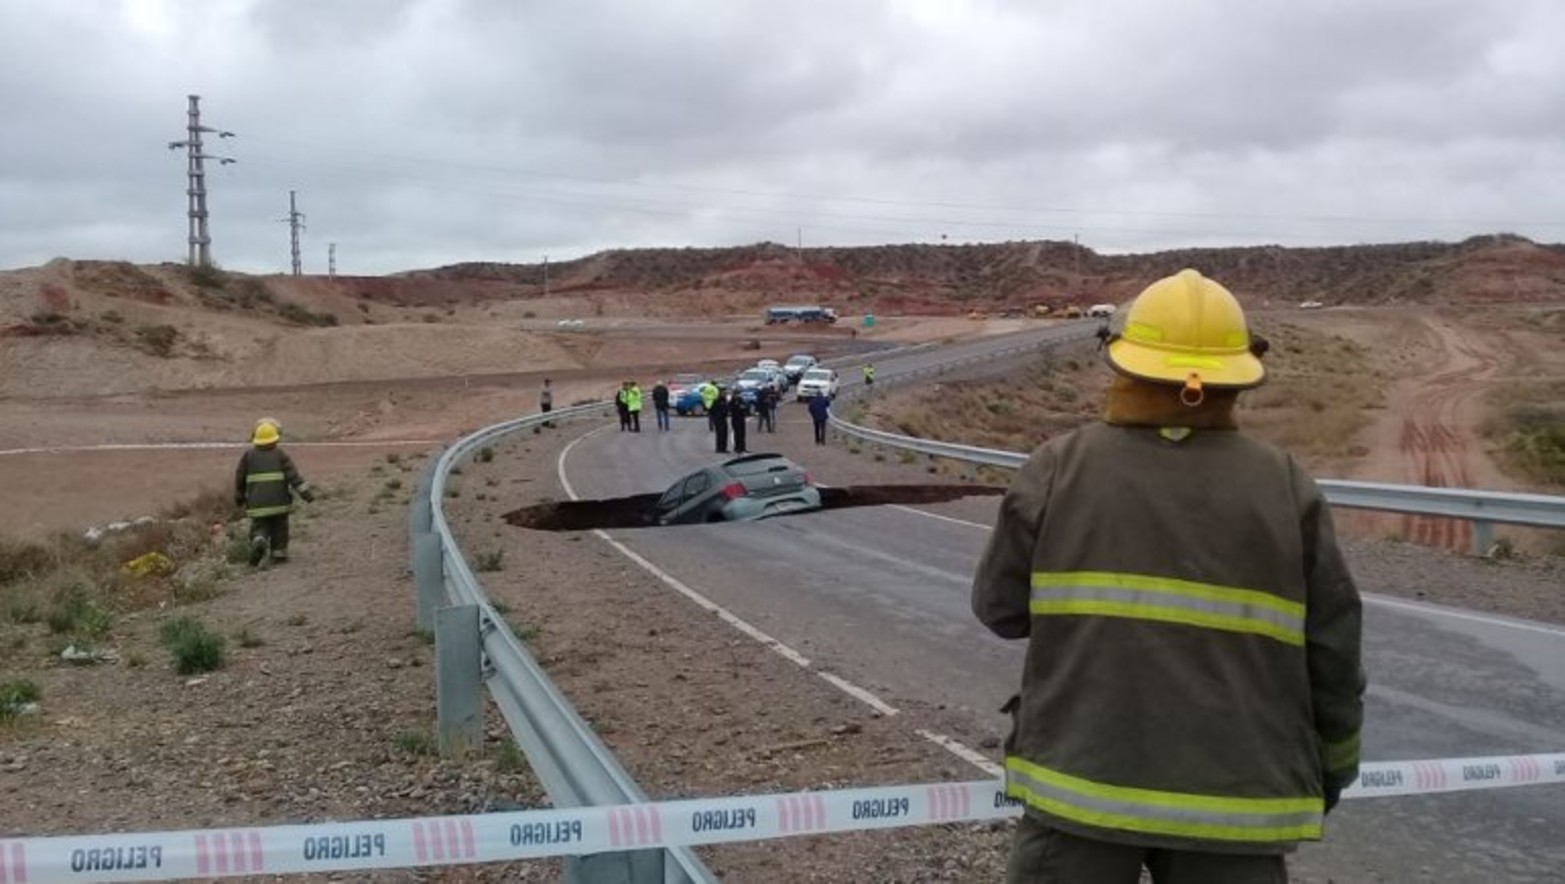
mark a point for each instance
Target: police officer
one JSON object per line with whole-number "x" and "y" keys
{"x": 738, "y": 411}
{"x": 717, "y": 414}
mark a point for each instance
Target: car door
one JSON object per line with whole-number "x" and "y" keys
{"x": 693, "y": 501}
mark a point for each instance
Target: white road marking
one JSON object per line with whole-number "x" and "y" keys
{"x": 723, "y": 614}
{"x": 1458, "y": 614}
{"x": 955, "y": 521}
{"x": 962, "y": 751}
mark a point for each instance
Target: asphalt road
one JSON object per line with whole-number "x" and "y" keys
{"x": 879, "y": 597}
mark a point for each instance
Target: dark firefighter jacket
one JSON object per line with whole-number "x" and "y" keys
{"x": 263, "y": 481}
{"x": 1192, "y": 676}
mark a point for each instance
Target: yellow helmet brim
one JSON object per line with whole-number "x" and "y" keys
{"x": 1166, "y": 365}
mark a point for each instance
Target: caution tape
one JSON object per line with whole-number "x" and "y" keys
{"x": 537, "y": 834}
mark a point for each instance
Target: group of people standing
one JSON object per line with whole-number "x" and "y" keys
{"x": 727, "y": 411}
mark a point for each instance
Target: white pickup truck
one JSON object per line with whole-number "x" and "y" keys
{"x": 817, "y": 382}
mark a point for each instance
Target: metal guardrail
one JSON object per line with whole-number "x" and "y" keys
{"x": 1484, "y": 509}
{"x": 474, "y": 645}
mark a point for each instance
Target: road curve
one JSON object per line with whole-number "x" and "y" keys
{"x": 878, "y": 597}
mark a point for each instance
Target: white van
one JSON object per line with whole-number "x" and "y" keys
{"x": 1101, "y": 310}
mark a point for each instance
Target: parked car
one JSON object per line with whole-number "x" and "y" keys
{"x": 783, "y": 382}
{"x": 751, "y": 380}
{"x": 754, "y": 486}
{"x": 1311, "y": 305}
{"x": 684, "y": 395}
{"x": 822, "y": 381}
{"x": 1101, "y": 310}
{"x": 797, "y": 365}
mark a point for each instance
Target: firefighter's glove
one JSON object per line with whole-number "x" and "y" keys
{"x": 1333, "y": 795}
{"x": 307, "y": 494}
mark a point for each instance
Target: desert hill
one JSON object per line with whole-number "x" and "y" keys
{"x": 951, "y": 278}
{"x": 106, "y": 327}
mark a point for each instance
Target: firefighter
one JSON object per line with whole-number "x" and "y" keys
{"x": 264, "y": 485}
{"x": 869, "y": 374}
{"x": 1192, "y": 690}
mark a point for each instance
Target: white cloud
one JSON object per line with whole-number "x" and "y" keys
{"x": 427, "y": 131}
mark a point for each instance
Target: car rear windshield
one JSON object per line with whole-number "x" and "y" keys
{"x": 756, "y": 374}
{"x": 800, "y": 360}
{"x": 818, "y": 374}
{"x": 755, "y": 466}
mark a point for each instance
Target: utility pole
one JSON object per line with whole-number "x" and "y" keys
{"x": 200, "y": 239}
{"x": 295, "y": 221}
{"x": 331, "y": 260}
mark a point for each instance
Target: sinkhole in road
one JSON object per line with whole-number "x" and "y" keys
{"x": 635, "y": 511}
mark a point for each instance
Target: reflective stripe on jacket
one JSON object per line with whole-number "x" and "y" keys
{"x": 263, "y": 482}
{"x": 1192, "y": 675}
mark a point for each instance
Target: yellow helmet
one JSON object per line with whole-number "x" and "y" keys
{"x": 1185, "y": 329}
{"x": 266, "y": 433}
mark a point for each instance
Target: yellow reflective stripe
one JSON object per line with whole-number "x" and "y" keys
{"x": 268, "y": 511}
{"x": 1136, "y": 611}
{"x": 253, "y": 478}
{"x": 1164, "y": 813}
{"x": 1343, "y": 754}
{"x": 1168, "y": 600}
{"x": 1190, "y": 588}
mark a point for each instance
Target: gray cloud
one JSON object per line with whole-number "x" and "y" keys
{"x": 427, "y": 131}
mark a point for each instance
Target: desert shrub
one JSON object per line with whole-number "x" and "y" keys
{"x": 23, "y": 560}
{"x": 77, "y": 613}
{"x": 112, "y": 317}
{"x": 206, "y": 276}
{"x": 295, "y": 313}
{"x": 15, "y": 694}
{"x": 193, "y": 647}
{"x": 159, "y": 340}
{"x": 416, "y": 743}
{"x": 249, "y": 293}
{"x": 485, "y": 454}
{"x": 508, "y": 758}
{"x": 490, "y": 560}
{"x": 1535, "y": 442}
{"x": 211, "y": 505}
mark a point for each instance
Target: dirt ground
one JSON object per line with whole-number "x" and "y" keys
{"x": 1442, "y": 364}
{"x": 323, "y": 719}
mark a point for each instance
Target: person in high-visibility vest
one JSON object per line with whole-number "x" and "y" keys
{"x": 633, "y": 399}
{"x": 264, "y": 485}
{"x": 709, "y": 396}
{"x": 1193, "y": 689}
{"x": 869, "y": 374}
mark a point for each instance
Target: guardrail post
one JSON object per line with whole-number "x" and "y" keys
{"x": 429, "y": 578}
{"x": 1483, "y": 536}
{"x": 458, "y": 665}
{"x": 631, "y": 867}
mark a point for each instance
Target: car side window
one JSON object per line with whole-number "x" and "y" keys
{"x": 670, "y": 498}
{"x": 694, "y": 486}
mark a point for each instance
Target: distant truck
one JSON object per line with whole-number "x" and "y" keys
{"x": 813, "y": 313}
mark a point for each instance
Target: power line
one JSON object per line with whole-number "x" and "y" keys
{"x": 200, "y": 239}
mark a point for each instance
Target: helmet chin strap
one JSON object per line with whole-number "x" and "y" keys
{"x": 1192, "y": 394}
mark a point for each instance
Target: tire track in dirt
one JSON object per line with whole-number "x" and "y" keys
{"x": 1438, "y": 440}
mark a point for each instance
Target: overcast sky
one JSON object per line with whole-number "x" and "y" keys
{"x": 425, "y": 132}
